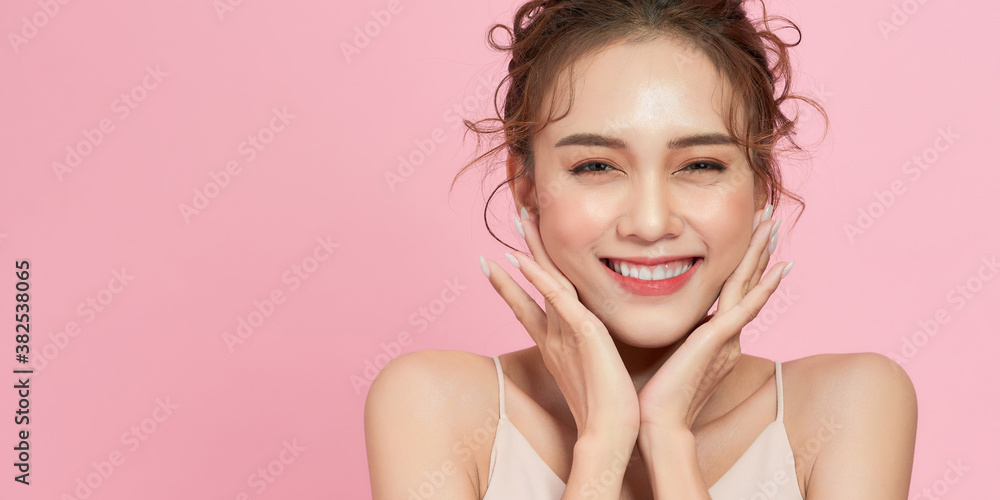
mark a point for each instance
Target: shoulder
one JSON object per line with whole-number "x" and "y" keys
{"x": 419, "y": 411}
{"x": 866, "y": 378}
{"x": 430, "y": 386}
{"x": 848, "y": 411}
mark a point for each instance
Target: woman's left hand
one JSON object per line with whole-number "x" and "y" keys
{"x": 676, "y": 393}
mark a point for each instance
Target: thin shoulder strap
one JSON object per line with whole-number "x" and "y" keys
{"x": 503, "y": 409}
{"x": 781, "y": 395}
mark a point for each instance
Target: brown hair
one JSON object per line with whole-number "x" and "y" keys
{"x": 547, "y": 36}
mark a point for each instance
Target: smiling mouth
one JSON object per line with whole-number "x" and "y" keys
{"x": 658, "y": 272}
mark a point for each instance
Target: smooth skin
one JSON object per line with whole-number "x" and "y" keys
{"x": 651, "y": 392}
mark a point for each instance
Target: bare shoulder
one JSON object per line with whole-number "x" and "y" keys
{"x": 432, "y": 388}
{"x": 418, "y": 411}
{"x": 841, "y": 383}
{"x": 839, "y": 405}
{"x": 842, "y": 378}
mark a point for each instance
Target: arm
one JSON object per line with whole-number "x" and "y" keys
{"x": 414, "y": 433}
{"x": 599, "y": 462}
{"x": 412, "y": 427}
{"x": 577, "y": 350}
{"x": 675, "y": 395}
{"x": 672, "y": 474}
{"x": 865, "y": 416}
{"x": 871, "y": 454}
{"x": 412, "y": 414}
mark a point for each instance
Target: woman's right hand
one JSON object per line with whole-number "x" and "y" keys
{"x": 574, "y": 344}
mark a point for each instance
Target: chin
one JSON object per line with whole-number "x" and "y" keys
{"x": 649, "y": 328}
{"x": 647, "y": 336}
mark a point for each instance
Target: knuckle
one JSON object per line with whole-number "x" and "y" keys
{"x": 551, "y": 343}
{"x": 551, "y": 295}
{"x": 744, "y": 314}
{"x": 587, "y": 331}
{"x": 518, "y": 312}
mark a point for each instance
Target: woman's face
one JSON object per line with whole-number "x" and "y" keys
{"x": 647, "y": 138}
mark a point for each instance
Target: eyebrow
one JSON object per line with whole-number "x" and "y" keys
{"x": 687, "y": 141}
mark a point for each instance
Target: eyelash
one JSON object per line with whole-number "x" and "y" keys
{"x": 711, "y": 165}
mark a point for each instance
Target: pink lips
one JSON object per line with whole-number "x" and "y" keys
{"x": 654, "y": 288}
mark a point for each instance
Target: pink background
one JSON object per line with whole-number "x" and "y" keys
{"x": 160, "y": 339}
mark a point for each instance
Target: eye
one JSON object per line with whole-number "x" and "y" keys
{"x": 597, "y": 165}
{"x": 699, "y": 166}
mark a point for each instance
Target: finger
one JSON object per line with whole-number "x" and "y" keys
{"x": 743, "y": 312}
{"x": 765, "y": 256}
{"x": 564, "y": 301}
{"x": 534, "y": 240}
{"x": 739, "y": 283}
{"x": 525, "y": 308}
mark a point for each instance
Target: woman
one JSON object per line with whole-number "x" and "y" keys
{"x": 642, "y": 139}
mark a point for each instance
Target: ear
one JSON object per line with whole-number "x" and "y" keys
{"x": 760, "y": 193}
{"x": 522, "y": 188}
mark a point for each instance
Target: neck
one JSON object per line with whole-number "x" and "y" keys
{"x": 643, "y": 362}
{"x": 640, "y": 362}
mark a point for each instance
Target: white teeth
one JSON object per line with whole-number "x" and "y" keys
{"x": 659, "y": 273}
{"x": 646, "y": 273}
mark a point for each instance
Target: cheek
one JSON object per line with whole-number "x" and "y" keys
{"x": 572, "y": 224}
{"x": 725, "y": 221}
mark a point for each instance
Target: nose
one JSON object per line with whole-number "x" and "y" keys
{"x": 650, "y": 214}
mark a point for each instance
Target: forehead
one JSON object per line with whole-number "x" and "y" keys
{"x": 659, "y": 88}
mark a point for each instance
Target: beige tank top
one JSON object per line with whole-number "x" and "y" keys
{"x": 766, "y": 470}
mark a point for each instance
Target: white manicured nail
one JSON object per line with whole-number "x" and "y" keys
{"x": 512, "y": 259}
{"x": 788, "y": 269}
{"x": 775, "y": 228}
{"x": 485, "y": 268}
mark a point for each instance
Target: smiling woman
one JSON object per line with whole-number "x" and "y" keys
{"x": 642, "y": 140}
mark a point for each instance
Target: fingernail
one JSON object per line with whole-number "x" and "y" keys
{"x": 767, "y": 212}
{"x": 524, "y": 214}
{"x": 774, "y": 229}
{"x": 520, "y": 228}
{"x": 788, "y": 268}
{"x": 756, "y": 220}
{"x": 485, "y": 268}
{"x": 512, "y": 259}
{"x": 773, "y": 244}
